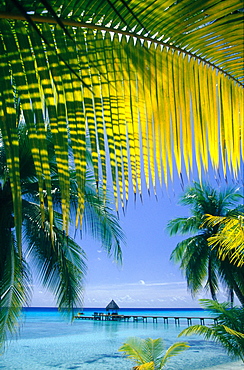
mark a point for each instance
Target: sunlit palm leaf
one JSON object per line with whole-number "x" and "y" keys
{"x": 173, "y": 350}
{"x": 9, "y": 135}
{"x": 145, "y": 352}
{"x": 153, "y": 350}
{"x": 229, "y": 240}
{"x": 133, "y": 349}
{"x": 174, "y": 68}
{"x": 149, "y": 353}
{"x": 233, "y": 332}
{"x": 148, "y": 366}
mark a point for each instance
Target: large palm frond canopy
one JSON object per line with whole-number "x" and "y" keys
{"x": 153, "y": 84}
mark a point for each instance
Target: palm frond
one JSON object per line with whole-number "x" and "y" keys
{"x": 99, "y": 218}
{"x": 221, "y": 334}
{"x": 173, "y": 350}
{"x": 183, "y": 225}
{"x": 62, "y": 264}
{"x": 233, "y": 332}
{"x": 231, "y": 316}
{"x": 153, "y": 350}
{"x": 228, "y": 328}
{"x": 101, "y": 222}
{"x": 214, "y": 306}
{"x": 149, "y": 353}
{"x": 131, "y": 73}
{"x": 148, "y": 366}
{"x": 133, "y": 349}
{"x": 198, "y": 329}
{"x": 14, "y": 288}
{"x": 229, "y": 241}
{"x": 193, "y": 259}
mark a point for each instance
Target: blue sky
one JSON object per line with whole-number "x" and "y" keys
{"x": 147, "y": 278}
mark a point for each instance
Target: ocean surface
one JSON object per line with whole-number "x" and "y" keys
{"x": 48, "y": 340}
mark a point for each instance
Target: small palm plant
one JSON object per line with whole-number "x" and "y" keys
{"x": 149, "y": 353}
{"x": 228, "y": 329}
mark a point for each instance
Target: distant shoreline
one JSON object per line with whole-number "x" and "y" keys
{"x": 123, "y": 308}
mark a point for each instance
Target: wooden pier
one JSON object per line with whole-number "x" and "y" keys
{"x": 136, "y": 318}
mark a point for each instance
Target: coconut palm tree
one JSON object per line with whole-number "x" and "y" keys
{"x": 138, "y": 77}
{"x": 229, "y": 330}
{"x": 199, "y": 261}
{"x": 149, "y": 354}
{"x": 58, "y": 262}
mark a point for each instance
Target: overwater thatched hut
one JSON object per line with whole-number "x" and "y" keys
{"x": 112, "y": 306}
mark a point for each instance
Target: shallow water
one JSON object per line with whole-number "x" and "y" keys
{"x": 47, "y": 340}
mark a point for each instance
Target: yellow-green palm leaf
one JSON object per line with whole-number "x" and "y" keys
{"x": 154, "y": 80}
{"x": 149, "y": 353}
{"x": 149, "y": 366}
{"x": 229, "y": 240}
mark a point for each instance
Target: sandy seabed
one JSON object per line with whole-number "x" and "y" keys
{"x": 49, "y": 342}
{"x": 230, "y": 366}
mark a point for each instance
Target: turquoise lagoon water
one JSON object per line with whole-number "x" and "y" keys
{"x": 47, "y": 340}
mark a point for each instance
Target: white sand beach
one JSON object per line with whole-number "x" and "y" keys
{"x": 239, "y": 365}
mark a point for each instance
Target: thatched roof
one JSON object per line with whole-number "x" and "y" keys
{"x": 112, "y": 306}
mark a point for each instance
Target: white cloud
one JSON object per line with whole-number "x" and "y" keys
{"x": 141, "y": 294}
{"x": 137, "y": 294}
{"x": 166, "y": 284}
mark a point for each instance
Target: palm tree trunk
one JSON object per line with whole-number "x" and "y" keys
{"x": 231, "y": 297}
{"x": 238, "y": 293}
{"x": 213, "y": 294}
{"x": 234, "y": 278}
{"x": 212, "y": 283}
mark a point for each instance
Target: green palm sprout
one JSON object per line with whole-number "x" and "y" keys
{"x": 149, "y": 354}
